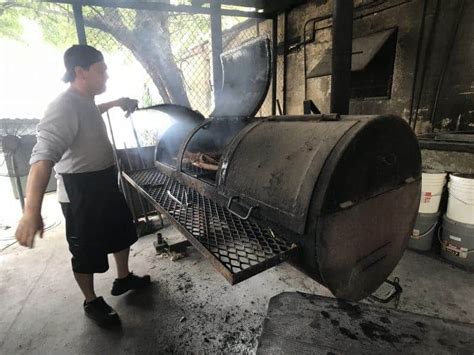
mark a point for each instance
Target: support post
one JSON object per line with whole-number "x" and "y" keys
{"x": 79, "y": 20}
{"x": 274, "y": 62}
{"x": 216, "y": 42}
{"x": 341, "y": 56}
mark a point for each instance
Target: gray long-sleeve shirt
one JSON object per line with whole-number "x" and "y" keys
{"x": 73, "y": 135}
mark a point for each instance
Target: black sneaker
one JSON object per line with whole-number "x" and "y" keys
{"x": 101, "y": 313}
{"x": 131, "y": 282}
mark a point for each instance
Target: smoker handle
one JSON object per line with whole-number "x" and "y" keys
{"x": 186, "y": 204}
{"x": 244, "y": 218}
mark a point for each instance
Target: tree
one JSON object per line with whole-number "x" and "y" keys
{"x": 145, "y": 33}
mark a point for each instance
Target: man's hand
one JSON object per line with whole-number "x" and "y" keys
{"x": 30, "y": 224}
{"x": 127, "y": 104}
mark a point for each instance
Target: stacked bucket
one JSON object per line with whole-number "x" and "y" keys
{"x": 432, "y": 185}
{"x": 457, "y": 237}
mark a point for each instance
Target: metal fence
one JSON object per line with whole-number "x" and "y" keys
{"x": 154, "y": 55}
{"x": 170, "y": 53}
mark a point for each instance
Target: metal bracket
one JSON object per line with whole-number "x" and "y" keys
{"x": 173, "y": 251}
{"x": 310, "y": 108}
{"x": 393, "y": 294}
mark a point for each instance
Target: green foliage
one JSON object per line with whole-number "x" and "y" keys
{"x": 188, "y": 31}
{"x": 57, "y": 23}
{"x": 10, "y": 22}
{"x": 55, "y": 20}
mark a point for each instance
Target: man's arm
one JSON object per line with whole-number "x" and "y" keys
{"x": 124, "y": 103}
{"x": 31, "y": 222}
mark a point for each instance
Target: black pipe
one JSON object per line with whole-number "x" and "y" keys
{"x": 341, "y": 56}
{"x": 318, "y": 19}
{"x": 312, "y": 39}
{"x": 367, "y": 14}
{"x": 434, "y": 106}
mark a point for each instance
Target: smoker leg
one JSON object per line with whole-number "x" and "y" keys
{"x": 391, "y": 291}
{"x": 173, "y": 251}
{"x": 160, "y": 245}
{"x": 150, "y": 226}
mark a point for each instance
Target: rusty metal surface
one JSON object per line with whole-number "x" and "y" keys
{"x": 246, "y": 79}
{"x": 379, "y": 157}
{"x": 238, "y": 248}
{"x": 367, "y": 198}
{"x": 275, "y": 166}
{"x": 299, "y": 323}
{"x": 357, "y": 248}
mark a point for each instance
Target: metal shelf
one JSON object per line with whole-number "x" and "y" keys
{"x": 237, "y": 248}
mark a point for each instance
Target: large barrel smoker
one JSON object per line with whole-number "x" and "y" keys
{"x": 337, "y": 195}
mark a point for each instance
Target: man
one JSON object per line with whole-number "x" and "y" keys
{"x": 73, "y": 137}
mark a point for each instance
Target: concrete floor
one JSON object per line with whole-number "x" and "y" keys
{"x": 189, "y": 308}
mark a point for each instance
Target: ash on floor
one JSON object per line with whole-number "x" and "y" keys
{"x": 189, "y": 307}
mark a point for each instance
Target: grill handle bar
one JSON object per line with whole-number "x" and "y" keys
{"x": 244, "y": 218}
{"x": 175, "y": 199}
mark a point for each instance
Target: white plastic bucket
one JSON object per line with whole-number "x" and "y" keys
{"x": 432, "y": 184}
{"x": 461, "y": 199}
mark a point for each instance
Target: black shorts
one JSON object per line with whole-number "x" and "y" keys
{"x": 98, "y": 221}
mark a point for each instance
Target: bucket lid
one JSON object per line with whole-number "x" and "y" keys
{"x": 433, "y": 172}
{"x": 428, "y": 215}
{"x": 462, "y": 177}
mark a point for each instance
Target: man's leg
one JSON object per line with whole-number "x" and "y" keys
{"x": 121, "y": 261}
{"x": 125, "y": 279}
{"x": 86, "y": 284}
{"x": 95, "y": 307}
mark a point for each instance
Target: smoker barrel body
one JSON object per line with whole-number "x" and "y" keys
{"x": 345, "y": 190}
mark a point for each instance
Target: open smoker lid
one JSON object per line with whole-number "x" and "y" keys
{"x": 246, "y": 79}
{"x": 164, "y": 127}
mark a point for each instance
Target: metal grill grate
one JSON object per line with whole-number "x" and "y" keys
{"x": 241, "y": 248}
{"x": 199, "y": 172}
